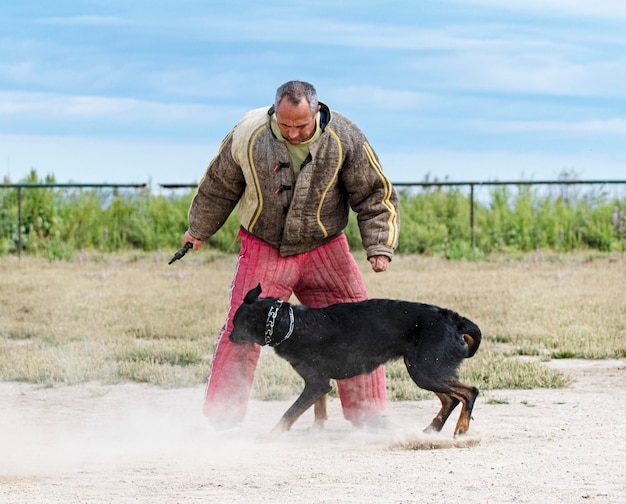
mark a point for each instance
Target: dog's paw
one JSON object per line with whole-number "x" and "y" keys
{"x": 462, "y": 434}
{"x": 316, "y": 428}
{"x": 266, "y": 438}
{"x": 271, "y": 436}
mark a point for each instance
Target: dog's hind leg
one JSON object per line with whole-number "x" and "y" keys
{"x": 321, "y": 413}
{"x": 467, "y": 395}
{"x": 448, "y": 403}
{"x": 459, "y": 393}
{"x": 448, "y": 388}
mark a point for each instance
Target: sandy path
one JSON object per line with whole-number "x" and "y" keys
{"x": 139, "y": 444}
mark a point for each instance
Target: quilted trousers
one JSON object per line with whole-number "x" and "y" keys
{"x": 326, "y": 275}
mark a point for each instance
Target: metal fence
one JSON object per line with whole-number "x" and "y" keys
{"x": 472, "y": 185}
{"x": 20, "y": 187}
{"x": 427, "y": 184}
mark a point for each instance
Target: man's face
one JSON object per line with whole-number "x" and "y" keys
{"x": 295, "y": 122}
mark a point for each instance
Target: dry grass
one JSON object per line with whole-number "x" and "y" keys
{"x": 114, "y": 318}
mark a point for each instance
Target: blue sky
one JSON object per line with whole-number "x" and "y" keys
{"x": 464, "y": 90}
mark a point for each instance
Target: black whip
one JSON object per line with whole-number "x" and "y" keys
{"x": 181, "y": 253}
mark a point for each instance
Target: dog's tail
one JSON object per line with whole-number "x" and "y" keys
{"x": 472, "y": 336}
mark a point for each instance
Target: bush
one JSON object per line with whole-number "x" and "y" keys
{"x": 58, "y": 221}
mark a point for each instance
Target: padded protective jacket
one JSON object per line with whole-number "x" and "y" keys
{"x": 253, "y": 168}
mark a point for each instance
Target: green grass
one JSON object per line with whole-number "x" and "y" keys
{"x": 113, "y": 318}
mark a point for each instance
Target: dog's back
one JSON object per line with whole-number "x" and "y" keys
{"x": 389, "y": 328}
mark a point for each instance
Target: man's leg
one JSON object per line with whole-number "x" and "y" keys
{"x": 233, "y": 365}
{"x": 329, "y": 274}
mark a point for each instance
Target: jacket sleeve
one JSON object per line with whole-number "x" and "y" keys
{"x": 217, "y": 194}
{"x": 373, "y": 198}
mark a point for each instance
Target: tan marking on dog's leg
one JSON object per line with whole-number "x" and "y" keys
{"x": 463, "y": 423}
{"x": 321, "y": 412}
{"x": 447, "y": 405}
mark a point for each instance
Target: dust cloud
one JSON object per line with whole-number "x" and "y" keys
{"x": 134, "y": 443}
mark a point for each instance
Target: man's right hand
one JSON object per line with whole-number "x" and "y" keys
{"x": 188, "y": 238}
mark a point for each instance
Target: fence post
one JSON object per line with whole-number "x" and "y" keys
{"x": 19, "y": 221}
{"x": 472, "y": 214}
{"x": 24, "y": 185}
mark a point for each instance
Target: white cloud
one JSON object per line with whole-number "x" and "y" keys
{"x": 83, "y": 20}
{"x": 606, "y": 9}
{"x": 415, "y": 165}
{"x": 526, "y": 72}
{"x": 378, "y": 97}
{"x": 614, "y": 126}
{"x": 118, "y": 110}
{"x": 105, "y": 160}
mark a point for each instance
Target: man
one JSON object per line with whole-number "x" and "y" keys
{"x": 294, "y": 170}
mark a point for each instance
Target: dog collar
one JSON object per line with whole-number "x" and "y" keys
{"x": 271, "y": 320}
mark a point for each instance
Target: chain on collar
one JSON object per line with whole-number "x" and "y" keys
{"x": 271, "y": 320}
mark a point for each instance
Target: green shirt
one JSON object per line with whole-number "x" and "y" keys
{"x": 298, "y": 153}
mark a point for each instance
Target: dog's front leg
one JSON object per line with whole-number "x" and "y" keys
{"x": 309, "y": 396}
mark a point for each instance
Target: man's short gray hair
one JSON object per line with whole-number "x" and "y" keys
{"x": 294, "y": 91}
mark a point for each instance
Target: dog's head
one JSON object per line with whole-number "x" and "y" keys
{"x": 251, "y": 318}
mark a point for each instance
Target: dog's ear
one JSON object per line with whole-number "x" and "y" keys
{"x": 252, "y": 295}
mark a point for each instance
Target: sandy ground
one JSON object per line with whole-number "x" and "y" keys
{"x": 139, "y": 444}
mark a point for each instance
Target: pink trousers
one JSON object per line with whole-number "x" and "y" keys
{"x": 326, "y": 275}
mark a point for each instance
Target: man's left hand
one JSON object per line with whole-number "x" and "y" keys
{"x": 379, "y": 263}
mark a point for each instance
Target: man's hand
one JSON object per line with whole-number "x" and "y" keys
{"x": 188, "y": 238}
{"x": 379, "y": 263}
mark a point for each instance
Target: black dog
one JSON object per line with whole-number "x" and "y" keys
{"x": 349, "y": 339}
